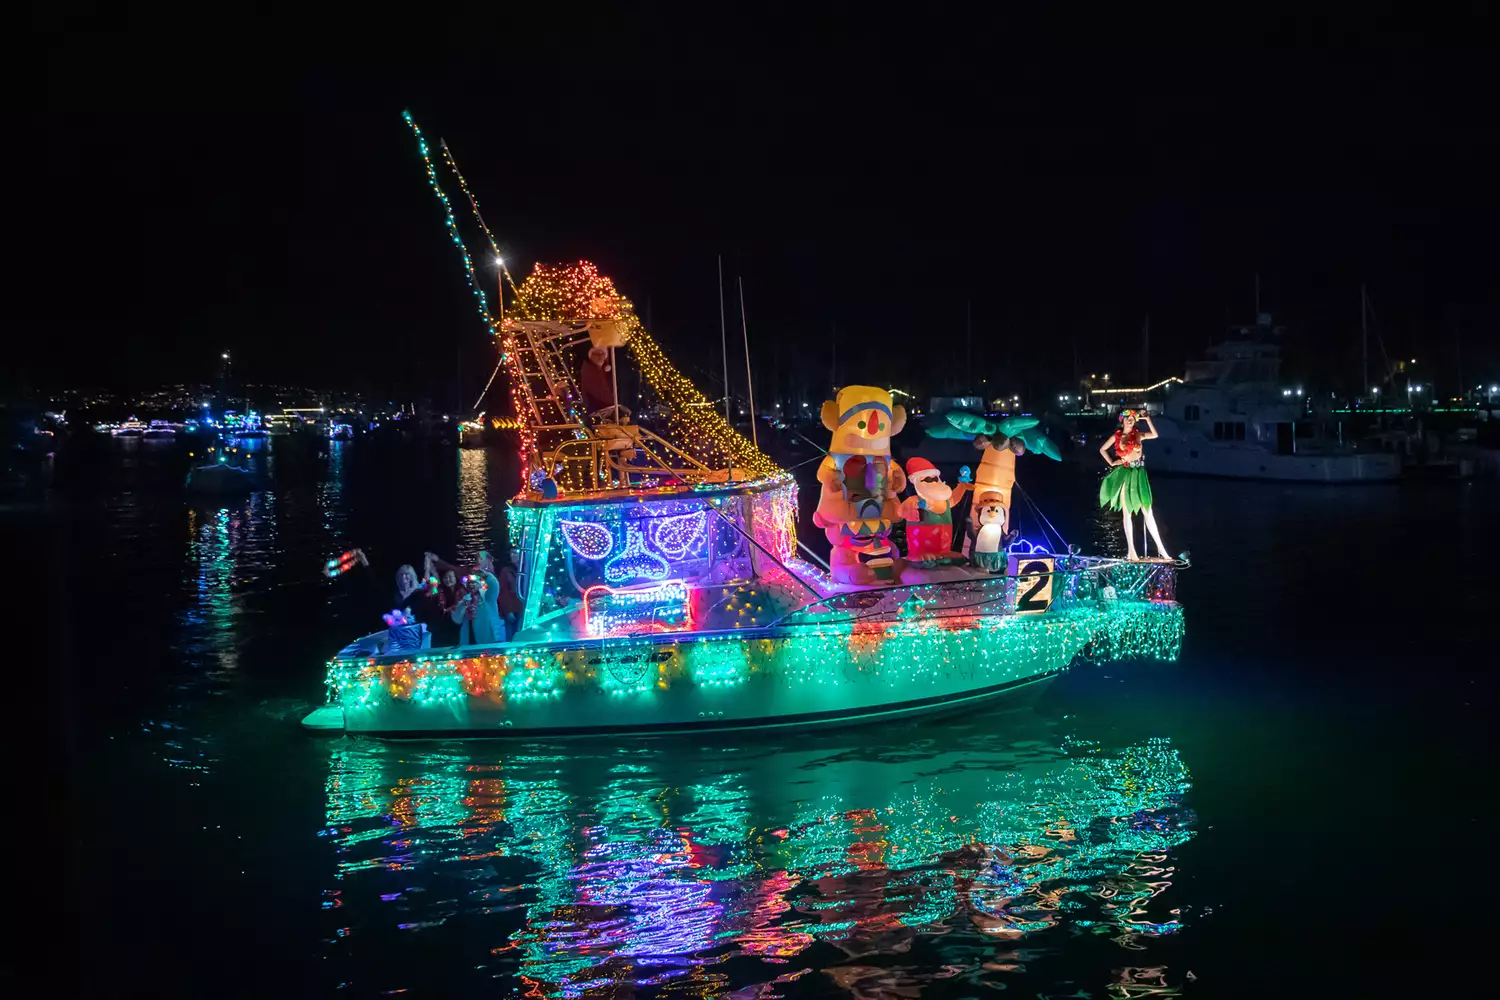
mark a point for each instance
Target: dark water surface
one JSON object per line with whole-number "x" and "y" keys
{"x": 1302, "y": 805}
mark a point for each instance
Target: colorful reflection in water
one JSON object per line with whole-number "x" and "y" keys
{"x": 728, "y": 869}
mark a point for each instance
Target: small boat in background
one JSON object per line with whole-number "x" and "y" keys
{"x": 219, "y": 475}
{"x": 471, "y": 433}
{"x": 131, "y": 428}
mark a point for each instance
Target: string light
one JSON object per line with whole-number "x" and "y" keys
{"x": 887, "y": 661}
{"x": 587, "y": 538}
{"x": 776, "y": 523}
{"x": 473, "y": 201}
{"x": 609, "y": 611}
{"x": 483, "y": 304}
{"x": 675, "y": 536}
{"x": 636, "y": 561}
{"x": 576, "y": 293}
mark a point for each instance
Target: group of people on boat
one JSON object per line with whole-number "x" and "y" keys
{"x": 458, "y": 606}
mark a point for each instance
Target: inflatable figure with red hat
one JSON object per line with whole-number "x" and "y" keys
{"x": 929, "y": 514}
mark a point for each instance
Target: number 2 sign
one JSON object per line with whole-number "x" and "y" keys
{"x": 1033, "y": 583}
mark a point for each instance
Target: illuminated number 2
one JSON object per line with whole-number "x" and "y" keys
{"x": 1038, "y": 596}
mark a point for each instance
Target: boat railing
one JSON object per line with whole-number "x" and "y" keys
{"x": 600, "y": 457}
{"x": 1072, "y": 581}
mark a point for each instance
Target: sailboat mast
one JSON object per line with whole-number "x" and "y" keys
{"x": 723, "y": 338}
{"x": 1364, "y": 338}
{"x": 969, "y": 338}
{"x": 833, "y": 367}
{"x": 1146, "y": 351}
{"x": 749, "y": 376}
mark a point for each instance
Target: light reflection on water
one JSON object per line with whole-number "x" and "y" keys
{"x": 474, "y": 505}
{"x": 659, "y": 864}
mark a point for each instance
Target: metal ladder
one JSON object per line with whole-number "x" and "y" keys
{"x": 547, "y": 382}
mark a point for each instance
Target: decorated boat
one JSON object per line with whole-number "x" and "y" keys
{"x": 665, "y": 588}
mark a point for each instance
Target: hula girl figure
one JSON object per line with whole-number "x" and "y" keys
{"x": 1125, "y": 487}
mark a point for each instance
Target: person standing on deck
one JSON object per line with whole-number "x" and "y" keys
{"x": 488, "y": 626}
{"x": 510, "y": 603}
{"x": 597, "y": 382}
{"x": 446, "y": 596}
{"x": 1125, "y": 488}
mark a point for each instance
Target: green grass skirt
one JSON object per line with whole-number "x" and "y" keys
{"x": 1136, "y": 487}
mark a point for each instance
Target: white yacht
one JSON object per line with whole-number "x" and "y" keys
{"x": 1232, "y": 416}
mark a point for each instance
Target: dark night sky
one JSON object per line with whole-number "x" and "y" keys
{"x": 265, "y": 197}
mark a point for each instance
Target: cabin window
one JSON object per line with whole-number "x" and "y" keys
{"x": 1229, "y": 430}
{"x": 1191, "y": 414}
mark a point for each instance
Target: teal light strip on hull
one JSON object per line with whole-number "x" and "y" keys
{"x": 832, "y": 670}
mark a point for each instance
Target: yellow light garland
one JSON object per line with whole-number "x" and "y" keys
{"x": 574, "y": 293}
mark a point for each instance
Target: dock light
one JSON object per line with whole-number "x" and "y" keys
{"x": 1299, "y": 392}
{"x": 1376, "y": 390}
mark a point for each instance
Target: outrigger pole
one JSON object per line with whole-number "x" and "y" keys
{"x": 504, "y": 274}
{"x": 474, "y": 205}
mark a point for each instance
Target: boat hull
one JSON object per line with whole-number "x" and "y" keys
{"x": 763, "y": 679}
{"x": 1208, "y": 459}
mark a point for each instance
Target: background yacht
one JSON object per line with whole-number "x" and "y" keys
{"x": 1232, "y": 416}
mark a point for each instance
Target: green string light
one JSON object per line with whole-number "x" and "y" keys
{"x": 901, "y": 660}
{"x": 452, "y": 223}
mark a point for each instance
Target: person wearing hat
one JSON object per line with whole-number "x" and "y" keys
{"x": 929, "y": 514}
